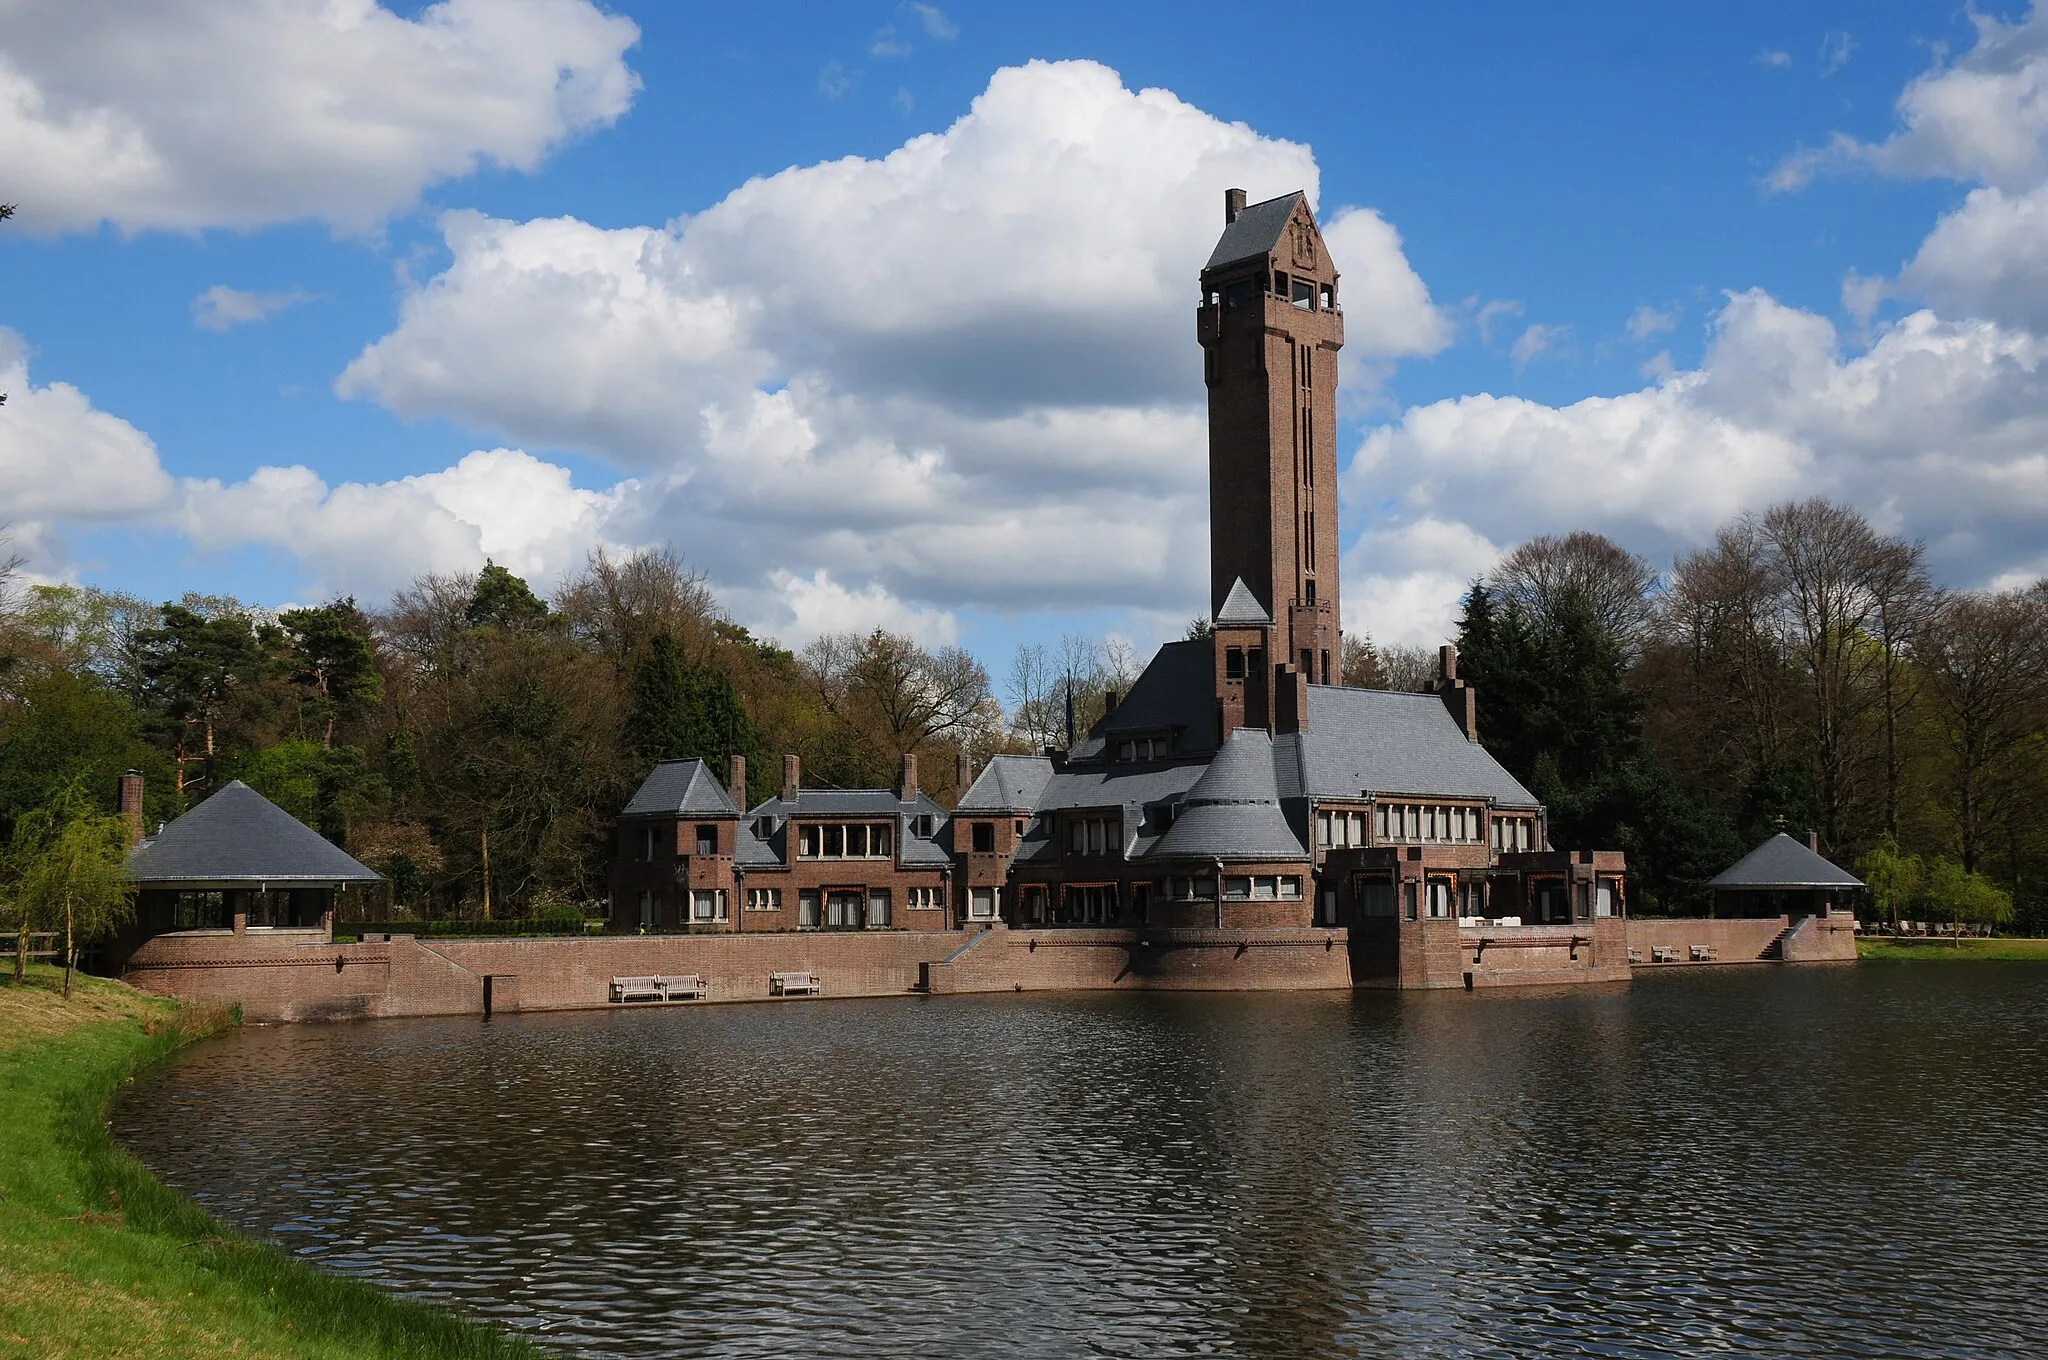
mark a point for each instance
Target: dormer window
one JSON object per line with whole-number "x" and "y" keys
{"x": 921, "y": 826}
{"x": 707, "y": 839}
{"x": 1132, "y": 749}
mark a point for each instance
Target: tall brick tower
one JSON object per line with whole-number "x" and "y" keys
{"x": 1270, "y": 330}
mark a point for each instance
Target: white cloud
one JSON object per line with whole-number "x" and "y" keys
{"x": 801, "y": 608}
{"x": 1984, "y": 118}
{"x": 887, "y": 44}
{"x": 221, "y": 307}
{"x": 1835, "y": 49}
{"x": 1772, "y": 57}
{"x": 963, "y": 374}
{"x": 188, "y": 114}
{"x": 1499, "y": 309}
{"x": 1647, "y": 321}
{"x": 934, "y": 21}
{"x": 1939, "y": 429}
{"x": 1402, "y": 582}
{"x": 1988, "y": 258}
{"x": 1535, "y": 342}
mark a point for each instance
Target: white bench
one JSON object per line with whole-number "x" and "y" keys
{"x": 1664, "y": 953}
{"x": 681, "y": 986}
{"x": 1635, "y": 956}
{"x": 1705, "y": 953}
{"x": 793, "y": 984}
{"x": 636, "y": 989}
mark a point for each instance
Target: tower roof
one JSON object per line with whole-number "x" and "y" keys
{"x": 1241, "y": 608}
{"x": 1256, "y": 231}
{"x": 1782, "y": 862}
{"x": 681, "y": 788}
{"x": 1233, "y": 810}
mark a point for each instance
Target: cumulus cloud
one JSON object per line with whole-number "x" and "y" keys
{"x": 1403, "y": 581}
{"x": 1987, "y": 258}
{"x": 221, "y": 307}
{"x": 1983, "y": 118}
{"x": 1939, "y": 429}
{"x": 963, "y": 373}
{"x": 189, "y": 114}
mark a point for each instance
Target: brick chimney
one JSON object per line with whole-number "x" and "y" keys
{"x": 906, "y": 788}
{"x": 1290, "y": 700}
{"x": 131, "y": 804}
{"x": 1460, "y": 698}
{"x": 1109, "y": 698}
{"x": 1813, "y": 841}
{"x": 963, "y": 772}
{"x": 736, "y": 781}
{"x": 1233, "y": 204}
{"x": 792, "y": 778}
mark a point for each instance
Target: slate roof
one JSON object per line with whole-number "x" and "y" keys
{"x": 681, "y": 788}
{"x": 1009, "y": 784}
{"x": 1782, "y": 862}
{"x": 239, "y": 836}
{"x": 1233, "y": 811}
{"x": 772, "y": 851}
{"x": 1255, "y": 232}
{"x": 1389, "y": 742}
{"x": 1242, "y": 609}
{"x": 1176, "y": 693}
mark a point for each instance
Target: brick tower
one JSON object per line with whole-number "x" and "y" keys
{"x": 1270, "y": 330}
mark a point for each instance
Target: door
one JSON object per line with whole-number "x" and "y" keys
{"x": 842, "y": 909}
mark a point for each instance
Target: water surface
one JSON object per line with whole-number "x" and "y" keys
{"x": 1830, "y": 1161}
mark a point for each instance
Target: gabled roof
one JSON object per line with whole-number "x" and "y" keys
{"x": 239, "y": 836}
{"x": 1388, "y": 742}
{"x": 681, "y": 788}
{"x": 913, "y": 851}
{"x": 1176, "y": 693}
{"x": 1782, "y": 862}
{"x": 1255, "y": 232}
{"x": 1241, "y": 609}
{"x": 1009, "y": 784}
{"x": 1233, "y": 811}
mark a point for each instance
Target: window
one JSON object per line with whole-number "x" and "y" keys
{"x": 1233, "y": 663}
{"x": 1439, "y": 897}
{"x": 1262, "y": 888}
{"x": 1255, "y": 660}
{"x": 1311, "y": 595}
{"x": 1376, "y": 897}
{"x": 1032, "y": 903}
{"x": 924, "y": 899}
{"x": 1141, "y": 748}
{"x": 1088, "y": 905}
{"x": 1606, "y": 895}
{"x": 764, "y": 827}
{"x": 1279, "y": 284}
{"x": 1340, "y": 830}
{"x": 834, "y": 842}
{"x": 1201, "y": 887}
{"x": 1307, "y": 365}
{"x": 843, "y": 909}
{"x": 764, "y": 899}
{"x": 1238, "y": 294}
{"x": 807, "y": 913}
{"x": 984, "y": 838}
{"x": 1329, "y": 296}
{"x": 643, "y": 844}
{"x": 921, "y": 826}
{"x": 858, "y": 841}
{"x": 1303, "y": 294}
{"x": 1095, "y": 836}
{"x": 878, "y": 908}
{"x": 707, "y": 904}
{"x": 707, "y": 839}
{"x": 1020, "y": 827}
{"x": 981, "y": 903}
{"x": 646, "y": 911}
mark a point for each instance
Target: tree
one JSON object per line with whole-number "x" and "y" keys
{"x": 1582, "y": 570}
{"x": 192, "y": 666}
{"x": 887, "y": 696}
{"x": 678, "y": 711}
{"x": 1967, "y": 896}
{"x": 618, "y": 606}
{"x": 502, "y": 600}
{"x": 1985, "y": 658}
{"x": 63, "y": 726}
{"x": 68, "y": 862}
{"x": 1895, "y": 880}
{"x": 332, "y": 656}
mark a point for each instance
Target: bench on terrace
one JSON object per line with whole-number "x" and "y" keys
{"x": 793, "y": 984}
{"x": 1664, "y": 953}
{"x": 1705, "y": 953}
{"x": 636, "y": 989}
{"x": 681, "y": 986}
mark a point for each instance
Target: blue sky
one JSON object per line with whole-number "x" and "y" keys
{"x": 841, "y": 390}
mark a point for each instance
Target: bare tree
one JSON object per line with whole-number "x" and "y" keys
{"x": 896, "y": 696}
{"x": 1986, "y": 661}
{"x": 1362, "y": 667}
{"x": 617, "y": 606}
{"x": 1588, "y": 569}
{"x": 1905, "y": 600}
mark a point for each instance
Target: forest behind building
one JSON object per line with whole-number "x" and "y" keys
{"x": 1801, "y": 672}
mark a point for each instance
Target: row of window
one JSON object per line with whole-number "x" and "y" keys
{"x": 861, "y": 840}
{"x": 1430, "y": 823}
{"x": 1095, "y": 836}
{"x": 1514, "y": 833}
{"x": 648, "y": 838}
{"x": 1148, "y": 748}
{"x": 1236, "y": 888}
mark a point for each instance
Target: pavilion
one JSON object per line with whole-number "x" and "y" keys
{"x": 1782, "y": 877}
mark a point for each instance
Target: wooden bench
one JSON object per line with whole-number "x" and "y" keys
{"x": 681, "y": 986}
{"x": 1664, "y": 953}
{"x": 1635, "y": 956}
{"x": 793, "y": 984}
{"x": 636, "y": 989}
{"x": 1705, "y": 953}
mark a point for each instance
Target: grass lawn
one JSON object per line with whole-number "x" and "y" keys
{"x": 99, "y": 1258}
{"x": 1948, "y": 951}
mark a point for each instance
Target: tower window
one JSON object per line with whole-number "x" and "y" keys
{"x": 1326, "y": 666}
{"x": 1233, "y": 663}
{"x": 1304, "y": 295}
{"x": 1307, "y": 365}
{"x": 1308, "y": 663}
{"x": 1256, "y": 659}
{"x": 1329, "y": 296}
{"x": 1239, "y": 293}
{"x": 1311, "y": 590}
{"x": 1279, "y": 284}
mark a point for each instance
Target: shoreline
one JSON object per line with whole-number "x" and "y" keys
{"x": 1916, "y": 949}
{"x": 99, "y": 1258}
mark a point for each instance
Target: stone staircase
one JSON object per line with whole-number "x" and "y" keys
{"x": 1775, "y": 950}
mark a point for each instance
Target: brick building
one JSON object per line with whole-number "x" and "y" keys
{"x": 1235, "y": 787}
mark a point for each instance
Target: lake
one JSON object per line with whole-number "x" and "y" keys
{"x": 1825, "y": 1161}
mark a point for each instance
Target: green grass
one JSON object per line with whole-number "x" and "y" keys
{"x": 1949, "y": 951}
{"x": 98, "y": 1258}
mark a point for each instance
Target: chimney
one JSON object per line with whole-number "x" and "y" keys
{"x": 1233, "y": 204}
{"x": 1460, "y": 698}
{"x": 131, "y": 804}
{"x": 907, "y": 790}
{"x": 1290, "y": 700}
{"x": 1813, "y": 841}
{"x": 963, "y": 772}
{"x": 792, "y": 778}
{"x": 1447, "y": 662}
{"x": 1109, "y": 698}
{"x": 736, "y": 781}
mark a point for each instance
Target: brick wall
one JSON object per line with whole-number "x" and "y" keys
{"x": 1737, "y": 941}
{"x": 1135, "y": 960}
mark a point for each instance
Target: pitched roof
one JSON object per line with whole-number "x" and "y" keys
{"x": 1782, "y": 862}
{"x": 1388, "y": 742}
{"x": 1255, "y": 232}
{"x": 1233, "y": 811}
{"x": 239, "y": 836}
{"x": 1242, "y": 609}
{"x": 681, "y": 788}
{"x": 913, "y": 851}
{"x": 1176, "y": 692}
{"x": 1009, "y": 784}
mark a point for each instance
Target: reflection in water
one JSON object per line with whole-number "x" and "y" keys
{"x": 1757, "y": 1161}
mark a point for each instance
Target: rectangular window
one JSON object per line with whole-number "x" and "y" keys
{"x": 984, "y": 838}
{"x": 1439, "y": 898}
{"x": 981, "y": 903}
{"x": 1290, "y": 888}
{"x": 807, "y": 842}
{"x": 878, "y": 908}
{"x": 835, "y": 842}
{"x": 1237, "y": 889}
{"x": 856, "y": 842}
{"x": 707, "y": 839}
{"x": 878, "y": 840}
{"x": 1408, "y": 897}
{"x": 643, "y": 844}
{"x": 764, "y": 899}
{"x": 924, "y": 899}
{"x": 1323, "y": 830}
{"x": 1376, "y": 897}
{"x": 1328, "y": 294}
{"x": 707, "y": 905}
{"x": 1304, "y": 294}
{"x": 1233, "y": 663}
{"x": 646, "y": 910}
{"x": 1279, "y": 284}
{"x": 807, "y": 913}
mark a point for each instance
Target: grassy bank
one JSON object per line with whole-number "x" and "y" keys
{"x": 99, "y": 1259}
{"x": 1948, "y": 951}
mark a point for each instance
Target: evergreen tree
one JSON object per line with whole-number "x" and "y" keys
{"x": 502, "y": 600}
{"x": 192, "y": 666}
{"x": 331, "y": 656}
{"x": 677, "y": 711}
